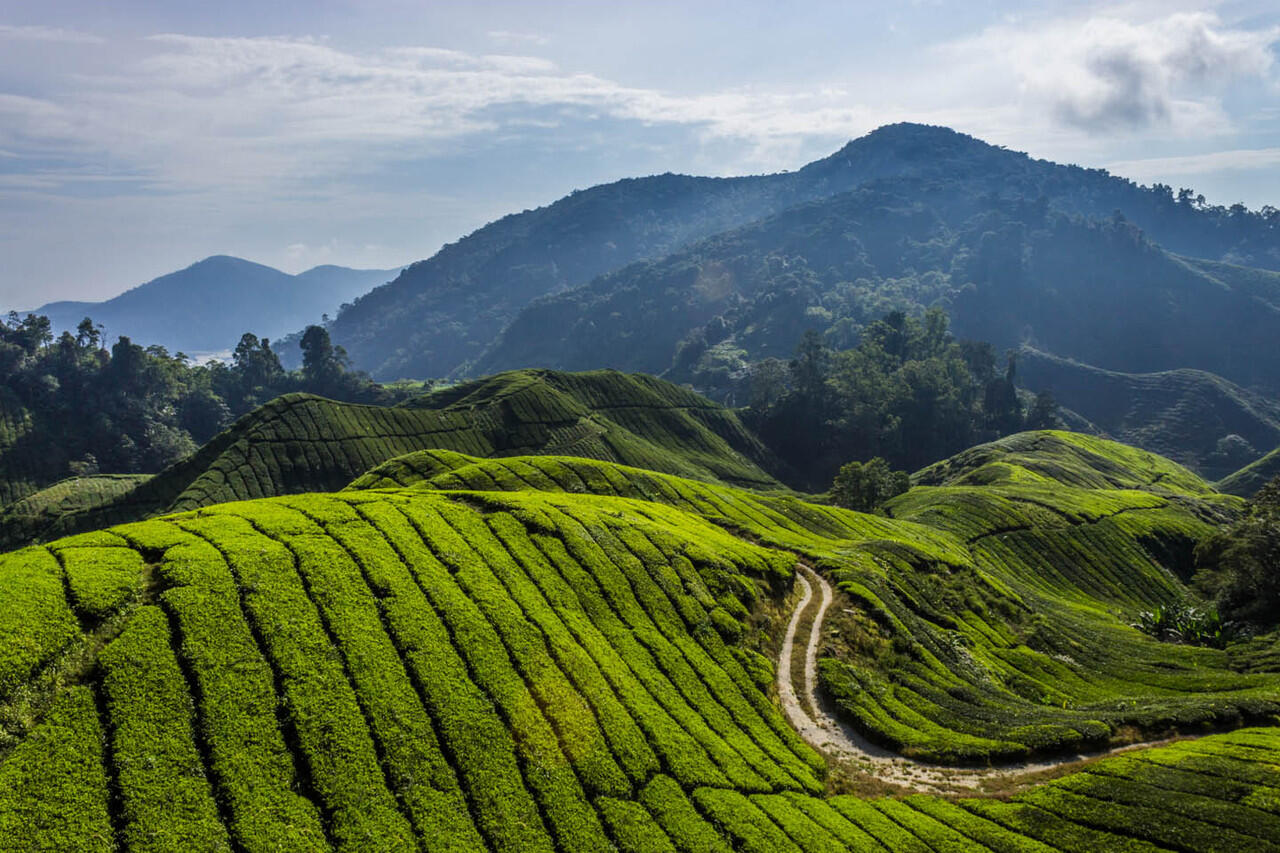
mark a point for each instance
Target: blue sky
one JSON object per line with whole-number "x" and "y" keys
{"x": 138, "y": 137}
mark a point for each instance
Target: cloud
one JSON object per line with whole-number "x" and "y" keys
{"x": 259, "y": 113}
{"x": 509, "y": 37}
{"x": 1245, "y": 159}
{"x": 1105, "y": 74}
{"x": 47, "y": 34}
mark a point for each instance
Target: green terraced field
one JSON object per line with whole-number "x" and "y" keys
{"x": 1181, "y": 414}
{"x": 302, "y": 443}
{"x": 993, "y": 618}
{"x": 55, "y": 510}
{"x": 558, "y": 653}
{"x": 1252, "y": 477}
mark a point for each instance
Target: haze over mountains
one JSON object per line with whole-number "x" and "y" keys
{"x": 207, "y": 306}
{"x": 567, "y": 264}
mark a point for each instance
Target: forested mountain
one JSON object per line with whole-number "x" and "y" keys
{"x": 208, "y": 305}
{"x": 1008, "y": 271}
{"x": 440, "y": 314}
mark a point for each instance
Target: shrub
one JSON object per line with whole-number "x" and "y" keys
{"x": 864, "y": 486}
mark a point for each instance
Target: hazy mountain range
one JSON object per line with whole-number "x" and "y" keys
{"x": 898, "y": 218}
{"x": 210, "y": 304}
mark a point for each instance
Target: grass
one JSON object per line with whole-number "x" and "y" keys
{"x": 557, "y": 653}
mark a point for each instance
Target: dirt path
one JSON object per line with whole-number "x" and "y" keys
{"x": 840, "y": 742}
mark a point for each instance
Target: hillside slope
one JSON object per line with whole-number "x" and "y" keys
{"x": 58, "y": 508}
{"x": 1181, "y": 414}
{"x": 1253, "y": 476}
{"x": 302, "y": 443}
{"x": 1007, "y": 271}
{"x": 442, "y": 312}
{"x": 210, "y": 304}
{"x": 524, "y": 668}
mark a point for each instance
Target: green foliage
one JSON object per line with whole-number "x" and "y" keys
{"x": 1239, "y": 566}
{"x": 53, "y": 788}
{"x": 301, "y": 443}
{"x": 1184, "y": 623}
{"x": 71, "y": 407}
{"x": 993, "y": 240}
{"x": 545, "y": 652}
{"x": 34, "y": 616}
{"x": 55, "y": 510}
{"x": 166, "y": 799}
{"x": 908, "y": 392}
{"x": 1194, "y": 417}
{"x": 864, "y": 486}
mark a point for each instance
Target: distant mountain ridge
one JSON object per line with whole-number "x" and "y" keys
{"x": 1008, "y": 271}
{"x": 210, "y": 304}
{"x": 1181, "y": 414}
{"x": 440, "y": 314}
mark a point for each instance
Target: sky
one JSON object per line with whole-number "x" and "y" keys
{"x": 139, "y": 137}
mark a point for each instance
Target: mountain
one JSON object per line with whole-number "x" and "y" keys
{"x": 588, "y": 662}
{"x": 1192, "y": 416}
{"x": 1007, "y": 271}
{"x": 304, "y": 443}
{"x": 440, "y": 314}
{"x": 206, "y": 307}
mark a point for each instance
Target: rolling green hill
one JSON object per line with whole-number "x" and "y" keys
{"x": 1180, "y": 414}
{"x": 302, "y": 443}
{"x": 58, "y": 508}
{"x": 1253, "y": 476}
{"x": 558, "y": 653}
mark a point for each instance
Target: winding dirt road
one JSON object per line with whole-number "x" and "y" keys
{"x": 840, "y": 742}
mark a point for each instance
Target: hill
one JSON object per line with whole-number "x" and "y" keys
{"x": 522, "y": 667}
{"x": 59, "y": 507}
{"x": 1182, "y": 414}
{"x": 206, "y": 307}
{"x": 303, "y": 443}
{"x": 1253, "y": 476}
{"x": 441, "y": 313}
{"x": 1007, "y": 271}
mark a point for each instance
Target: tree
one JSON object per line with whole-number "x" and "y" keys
{"x": 1000, "y": 400}
{"x": 88, "y": 336}
{"x": 810, "y": 367}
{"x": 864, "y": 486}
{"x": 1239, "y": 567}
{"x": 768, "y": 383}
{"x": 1044, "y": 412}
{"x": 257, "y": 367}
{"x": 322, "y": 363}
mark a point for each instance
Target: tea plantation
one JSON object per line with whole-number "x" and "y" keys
{"x": 556, "y": 653}
{"x": 303, "y": 443}
{"x": 59, "y": 507}
{"x": 1253, "y": 476}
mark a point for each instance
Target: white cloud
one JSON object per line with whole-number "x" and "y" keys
{"x": 47, "y": 34}
{"x": 243, "y": 111}
{"x": 1105, "y": 74}
{"x": 1159, "y": 168}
